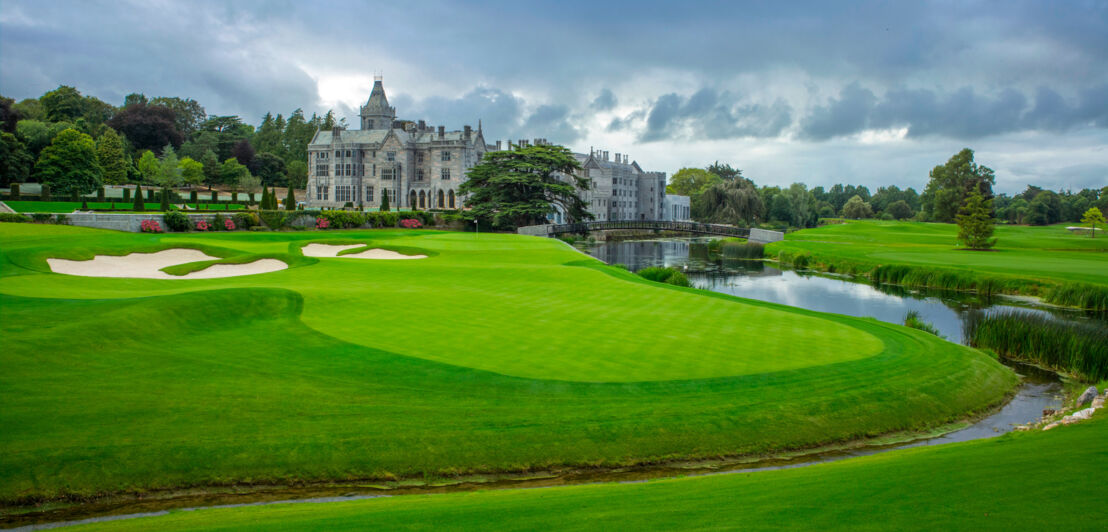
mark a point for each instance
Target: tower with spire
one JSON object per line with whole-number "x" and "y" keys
{"x": 376, "y": 113}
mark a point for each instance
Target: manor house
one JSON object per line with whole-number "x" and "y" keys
{"x": 416, "y": 165}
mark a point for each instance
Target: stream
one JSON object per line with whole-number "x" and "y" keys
{"x": 744, "y": 278}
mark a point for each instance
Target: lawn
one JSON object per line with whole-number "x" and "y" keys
{"x": 66, "y": 207}
{"x": 1020, "y": 481}
{"x": 1025, "y": 259}
{"x": 496, "y": 353}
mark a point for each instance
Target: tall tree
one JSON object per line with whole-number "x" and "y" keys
{"x": 735, "y": 202}
{"x": 211, "y": 168}
{"x": 522, "y": 186}
{"x": 297, "y": 174}
{"x": 169, "y": 171}
{"x": 189, "y": 114}
{"x": 952, "y": 183}
{"x": 9, "y": 115}
{"x": 725, "y": 171}
{"x": 691, "y": 181}
{"x": 149, "y": 167}
{"x": 37, "y": 135}
{"x": 63, "y": 104}
{"x": 15, "y": 160}
{"x": 243, "y": 152}
{"x": 975, "y": 222}
{"x": 112, "y": 159}
{"x": 856, "y": 208}
{"x": 290, "y": 200}
{"x": 68, "y": 165}
{"x": 270, "y": 168}
{"x": 148, "y": 127}
{"x": 1092, "y": 217}
{"x": 192, "y": 172}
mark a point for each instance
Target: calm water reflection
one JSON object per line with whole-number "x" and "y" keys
{"x": 762, "y": 281}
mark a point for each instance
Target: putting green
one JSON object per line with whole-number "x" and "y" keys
{"x": 497, "y": 353}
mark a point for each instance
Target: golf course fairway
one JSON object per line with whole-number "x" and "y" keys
{"x": 496, "y": 353}
{"x": 1020, "y": 481}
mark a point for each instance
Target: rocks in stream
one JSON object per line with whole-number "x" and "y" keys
{"x": 1088, "y": 396}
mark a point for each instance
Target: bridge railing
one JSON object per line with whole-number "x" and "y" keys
{"x": 686, "y": 227}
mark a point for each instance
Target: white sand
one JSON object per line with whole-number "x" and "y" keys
{"x": 147, "y": 266}
{"x": 325, "y": 250}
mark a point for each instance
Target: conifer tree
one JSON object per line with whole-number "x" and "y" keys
{"x": 113, "y": 160}
{"x": 165, "y": 199}
{"x": 384, "y": 201}
{"x": 975, "y": 222}
{"x": 140, "y": 204}
{"x": 290, "y": 200}
{"x": 264, "y": 203}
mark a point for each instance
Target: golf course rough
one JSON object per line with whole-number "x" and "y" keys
{"x": 494, "y": 353}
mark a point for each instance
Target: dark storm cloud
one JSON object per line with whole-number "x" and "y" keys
{"x": 552, "y": 122}
{"x": 498, "y": 111}
{"x": 961, "y": 114}
{"x": 708, "y": 114}
{"x": 604, "y": 101}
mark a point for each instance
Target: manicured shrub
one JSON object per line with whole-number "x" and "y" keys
{"x": 678, "y": 279}
{"x": 84, "y": 205}
{"x": 126, "y": 195}
{"x": 45, "y": 194}
{"x": 215, "y": 195}
{"x": 101, "y": 194}
{"x": 193, "y": 198}
{"x": 290, "y": 200}
{"x": 42, "y": 217}
{"x": 165, "y": 199}
{"x": 150, "y": 194}
{"x": 140, "y": 204}
{"x": 246, "y": 220}
{"x": 177, "y": 221}
{"x": 1080, "y": 348}
{"x": 384, "y": 201}
{"x": 218, "y": 222}
{"x": 14, "y": 192}
{"x": 61, "y": 219}
{"x": 151, "y": 226}
{"x": 275, "y": 219}
{"x": 13, "y": 217}
{"x": 660, "y": 274}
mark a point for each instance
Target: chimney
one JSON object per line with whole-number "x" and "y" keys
{"x": 467, "y": 131}
{"x": 625, "y": 157}
{"x": 442, "y": 132}
{"x": 422, "y": 125}
{"x": 605, "y": 155}
{"x": 618, "y": 158}
{"x": 498, "y": 145}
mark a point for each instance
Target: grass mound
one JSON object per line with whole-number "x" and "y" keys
{"x": 502, "y": 353}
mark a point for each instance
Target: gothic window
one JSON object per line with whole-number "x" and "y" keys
{"x": 322, "y": 170}
{"x": 450, "y": 196}
{"x": 446, "y": 173}
{"x": 419, "y": 157}
{"x": 419, "y": 174}
{"x": 422, "y": 200}
{"x": 442, "y": 202}
{"x": 369, "y": 194}
{"x": 390, "y": 156}
{"x": 321, "y": 192}
{"x": 387, "y": 174}
{"x": 445, "y": 155}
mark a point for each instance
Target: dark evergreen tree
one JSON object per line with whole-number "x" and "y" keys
{"x": 140, "y": 203}
{"x": 975, "y": 222}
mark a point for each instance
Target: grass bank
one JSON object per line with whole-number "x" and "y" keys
{"x": 1048, "y": 262}
{"x": 497, "y": 353}
{"x": 1020, "y": 481}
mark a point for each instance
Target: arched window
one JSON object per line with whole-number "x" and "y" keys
{"x": 422, "y": 200}
{"x": 412, "y": 199}
{"x": 442, "y": 202}
{"x": 451, "y": 196}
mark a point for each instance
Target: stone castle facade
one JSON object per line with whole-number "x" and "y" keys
{"x": 416, "y": 165}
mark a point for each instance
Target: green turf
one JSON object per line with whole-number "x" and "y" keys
{"x": 66, "y": 207}
{"x": 497, "y": 353}
{"x": 1038, "y": 481}
{"x": 1022, "y": 252}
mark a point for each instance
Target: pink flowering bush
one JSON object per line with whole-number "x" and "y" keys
{"x": 322, "y": 223}
{"x": 151, "y": 226}
{"x": 202, "y": 225}
{"x": 411, "y": 223}
{"x": 229, "y": 224}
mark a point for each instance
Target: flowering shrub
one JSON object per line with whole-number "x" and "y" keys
{"x": 411, "y": 223}
{"x": 229, "y": 224}
{"x": 151, "y": 226}
{"x": 202, "y": 226}
{"x": 322, "y": 223}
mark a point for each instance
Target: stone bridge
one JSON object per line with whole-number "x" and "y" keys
{"x": 752, "y": 235}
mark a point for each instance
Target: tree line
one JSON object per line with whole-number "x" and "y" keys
{"x": 719, "y": 193}
{"x": 76, "y": 143}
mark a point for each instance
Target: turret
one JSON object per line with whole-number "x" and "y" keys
{"x": 376, "y": 113}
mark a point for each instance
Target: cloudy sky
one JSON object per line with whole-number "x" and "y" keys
{"x": 820, "y": 92}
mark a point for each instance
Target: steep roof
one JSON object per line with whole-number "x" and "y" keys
{"x": 378, "y": 103}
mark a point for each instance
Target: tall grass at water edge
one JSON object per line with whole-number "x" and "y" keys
{"x": 1073, "y": 347}
{"x": 912, "y": 319}
{"x": 1067, "y": 293}
{"x": 742, "y": 250}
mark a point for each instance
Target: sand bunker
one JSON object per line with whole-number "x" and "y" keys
{"x": 326, "y": 250}
{"x": 147, "y": 265}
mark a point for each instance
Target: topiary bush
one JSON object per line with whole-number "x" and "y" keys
{"x": 14, "y": 191}
{"x": 45, "y": 194}
{"x": 177, "y": 221}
